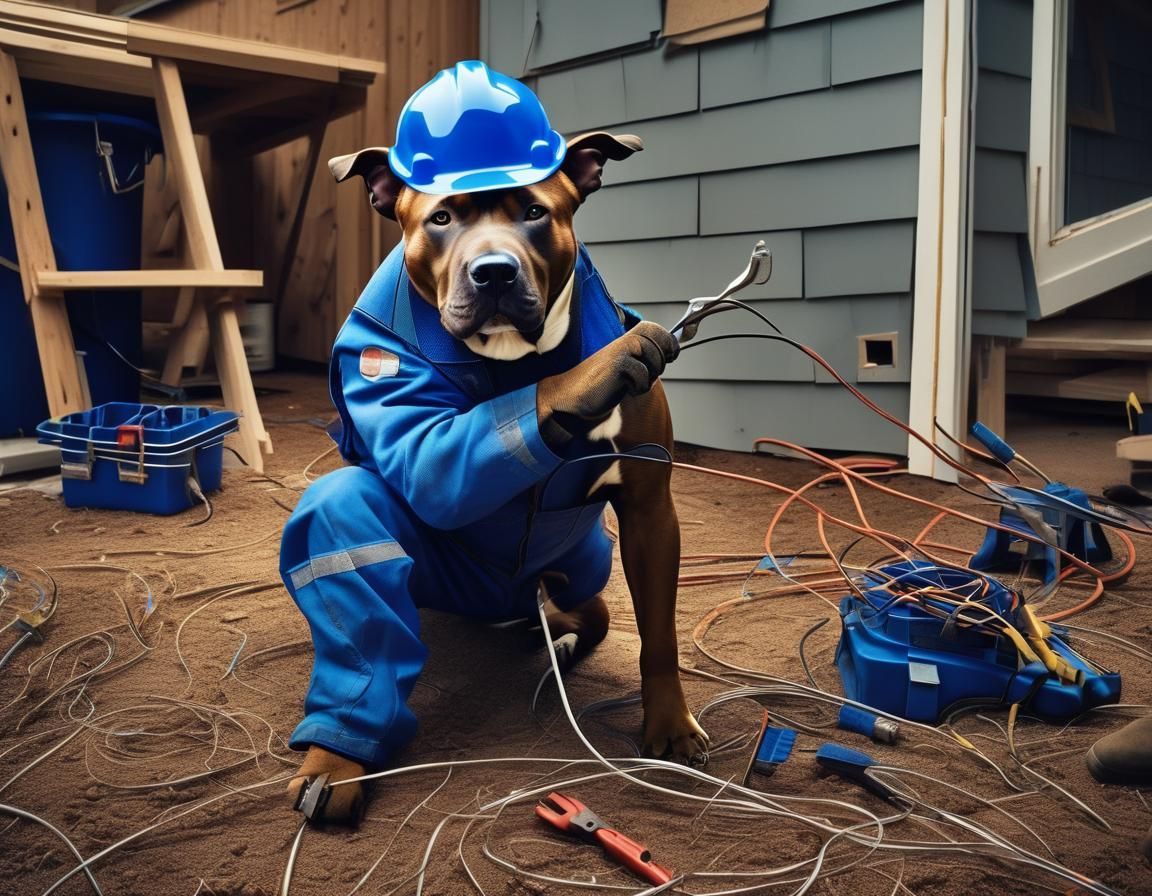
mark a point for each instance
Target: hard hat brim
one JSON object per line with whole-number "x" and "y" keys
{"x": 480, "y": 179}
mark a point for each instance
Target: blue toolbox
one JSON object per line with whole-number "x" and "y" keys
{"x": 124, "y": 456}
{"x": 920, "y": 640}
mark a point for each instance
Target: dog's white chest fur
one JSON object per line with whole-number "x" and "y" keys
{"x": 608, "y": 431}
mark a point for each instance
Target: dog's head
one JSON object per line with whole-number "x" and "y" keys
{"x": 497, "y": 264}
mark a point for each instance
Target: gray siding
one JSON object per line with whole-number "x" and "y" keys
{"x": 1000, "y": 199}
{"x": 805, "y": 135}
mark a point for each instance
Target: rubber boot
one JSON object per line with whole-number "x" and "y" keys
{"x": 1125, "y": 756}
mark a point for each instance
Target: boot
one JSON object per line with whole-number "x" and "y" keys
{"x": 1124, "y": 756}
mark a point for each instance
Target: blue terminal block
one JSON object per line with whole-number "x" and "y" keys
{"x": 900, "y": 658}
{"x": 1078, "y": 537}
{"x": 127, "y": 456}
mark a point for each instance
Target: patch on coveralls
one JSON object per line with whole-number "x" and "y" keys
{"x": 376, "y": 363}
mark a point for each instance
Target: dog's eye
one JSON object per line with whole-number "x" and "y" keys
{"x": 535, "y": 213}
{"x": 440, "y": 218}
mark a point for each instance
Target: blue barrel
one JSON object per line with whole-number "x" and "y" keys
{"x": 94, "y": 218}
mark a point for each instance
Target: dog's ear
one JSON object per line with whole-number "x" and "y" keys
{"x": 372, "y": 164}
{"x": 584, "y": 161}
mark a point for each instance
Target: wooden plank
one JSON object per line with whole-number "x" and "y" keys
{"x": 1000, "y": 192}
{"x": 997, "y": 280}
{"x": 629, "y": 88}
{"x": 857, "y": 118}
{"x": 1004, "y": 36}
{"x": 97, "y": 66}
{"x": 791, "y": 12}
{"x": 764, "y": 65}
{"x": 877, "y": 42}
{"x": 834, "y": 328}
{"x": 228, "y": 347}
{"x": 877, "y": 186}
{"x": 640, "y": 211}
{"x": 505, "y": 37}
{"x": 62, "y": 382}
{"x": 180, "y": 149}
{"x": 159, "y": 277}
{"x": 989, "y": 362}
{"x": 1112, "y": 385}
{"x": 676, "y": 270}
{"x": 1002, "y": 111}
{"x": 236, "y": 380}
{"x": 573, "y": 30}
{"x": 732, "y": 415}
{"x": 248, "y": 100}
{"x": 858, "y": 259}
{"x": 1089, "y": 336}
{"x": 1005, "y": 324}
{"x": 148, "y": 39}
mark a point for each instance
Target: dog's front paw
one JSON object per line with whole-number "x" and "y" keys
{"x": 345, "y": 804}
{"x": 674, "y": 734}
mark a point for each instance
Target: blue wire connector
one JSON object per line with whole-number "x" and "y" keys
{"x": 852, "y": 765}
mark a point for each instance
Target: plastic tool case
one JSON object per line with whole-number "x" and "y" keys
{"x": 895, "y": 656}
{"x": 123, "y": 456}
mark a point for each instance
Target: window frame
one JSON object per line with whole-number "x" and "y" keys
{"x": 1077, "y": 261}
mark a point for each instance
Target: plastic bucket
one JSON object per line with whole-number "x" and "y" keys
{"x": 94, "y": 218}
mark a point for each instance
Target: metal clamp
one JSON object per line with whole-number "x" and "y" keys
{"x": 313, "y": 797}
{"x": 76, "y": 469}
{"x": 131, "y": 436}
{"x": 759, "y": 270}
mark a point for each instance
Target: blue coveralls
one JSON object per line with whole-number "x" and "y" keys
{"x": 453, "y": 502}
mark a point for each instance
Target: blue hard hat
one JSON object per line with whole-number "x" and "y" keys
{"x": 471, "y": 128}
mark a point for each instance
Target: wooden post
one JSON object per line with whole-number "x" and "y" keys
{"x": 990, "y": 356}
{"x": 227, "y": 345}
{"x": 58, "y": 365}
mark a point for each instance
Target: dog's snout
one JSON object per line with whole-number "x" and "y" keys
{"x": 494, "y": 271}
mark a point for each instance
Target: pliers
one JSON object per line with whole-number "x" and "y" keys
{"x": 571, "y": 816}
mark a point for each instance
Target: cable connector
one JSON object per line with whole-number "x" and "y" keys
{"x": 853, "y": 766}
{"x": 29, "y": 621}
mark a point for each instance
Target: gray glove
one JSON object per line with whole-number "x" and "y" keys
{"x": 572, "y": 403}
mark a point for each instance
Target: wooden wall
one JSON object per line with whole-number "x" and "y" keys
{"x": 342, "y": 239}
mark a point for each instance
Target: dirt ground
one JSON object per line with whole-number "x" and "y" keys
{"x": 105, "y": 732}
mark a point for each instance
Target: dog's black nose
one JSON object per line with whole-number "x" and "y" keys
{"x": 494, "y": 271}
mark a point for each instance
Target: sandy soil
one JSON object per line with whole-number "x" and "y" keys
{"x": 103, "y": 733}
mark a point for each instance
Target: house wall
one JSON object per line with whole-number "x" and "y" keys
{"x": 804, "y": 135}
{"x": 1003, "y": 287}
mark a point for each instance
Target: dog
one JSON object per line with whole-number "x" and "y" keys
{"x": 496, "y": 268}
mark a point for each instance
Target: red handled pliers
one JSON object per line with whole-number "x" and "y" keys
{"x": 573, "y": 817}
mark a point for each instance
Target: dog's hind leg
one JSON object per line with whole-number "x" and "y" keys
{"x": 587, "y": 623}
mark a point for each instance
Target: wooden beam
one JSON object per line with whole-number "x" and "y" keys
{"x": 224, "y": 326}
{"x": 989, "y": 355}
{"x": 58, "y": 366}
{"x": 224, "y": 110}
{"x": 155, "y": 277}
{"x": 236, "y": 379}
{"x": 149, "y": 39}
{"x": 180, "y": 148}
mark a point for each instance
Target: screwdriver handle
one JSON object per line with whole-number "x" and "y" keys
{"x": 632, "y": 855}
{"x": 1000, "y": 449}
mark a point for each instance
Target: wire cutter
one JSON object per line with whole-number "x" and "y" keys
{"x": 571, "y": 816}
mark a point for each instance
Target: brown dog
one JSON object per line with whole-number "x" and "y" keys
{"x": 498, "y": 265}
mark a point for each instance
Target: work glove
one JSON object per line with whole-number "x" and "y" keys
{"x": 573, "y": 403}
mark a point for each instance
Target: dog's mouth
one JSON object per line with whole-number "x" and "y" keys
{"x": 498, "y": 323}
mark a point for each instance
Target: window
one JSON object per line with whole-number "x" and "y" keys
{"x": 1090, "y": 184}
